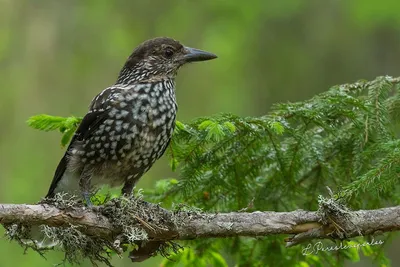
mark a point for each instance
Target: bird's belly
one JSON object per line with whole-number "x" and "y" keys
{"x": 132, "y": 157}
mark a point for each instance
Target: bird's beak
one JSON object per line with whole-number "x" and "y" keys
{"x": 193, "y": 54}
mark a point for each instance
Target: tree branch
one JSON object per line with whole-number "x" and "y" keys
{"x": 182, "y": 225}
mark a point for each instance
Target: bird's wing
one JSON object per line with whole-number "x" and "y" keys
{"x": 98, "y": 111}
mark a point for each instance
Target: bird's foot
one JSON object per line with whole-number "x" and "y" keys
{"x": 86, "y": 197}
{"x": 127, "y": 195}
{"x": 127, "y": 192}
{"x": 127, "y": 189}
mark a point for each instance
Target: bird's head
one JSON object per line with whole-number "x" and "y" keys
{"x": 159, "y": 58}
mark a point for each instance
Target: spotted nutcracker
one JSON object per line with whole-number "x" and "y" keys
{"x": 129, "y": 125}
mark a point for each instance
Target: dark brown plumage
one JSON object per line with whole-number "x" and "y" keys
{"x": 129, "y": 125}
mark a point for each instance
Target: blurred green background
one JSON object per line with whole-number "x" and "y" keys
{"x": 55, "y": 56}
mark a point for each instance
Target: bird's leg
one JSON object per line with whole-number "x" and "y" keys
{"x": 128, "y": 187}
{"x": 84, "y": 186}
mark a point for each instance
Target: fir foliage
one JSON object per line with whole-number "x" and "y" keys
{"x": 345, "y": 139}
{"x": 66, "y": 126}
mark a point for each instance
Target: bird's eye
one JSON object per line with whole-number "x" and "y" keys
{"x": 168, "y": 52}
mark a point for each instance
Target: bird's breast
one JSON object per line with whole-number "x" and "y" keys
{"x": 137, "y": 131}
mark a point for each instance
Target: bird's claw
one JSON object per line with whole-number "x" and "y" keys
{"x": 86, "y": 197}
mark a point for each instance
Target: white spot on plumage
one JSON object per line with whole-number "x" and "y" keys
{"x": 113, "y": 112}
{"x": 124, "y": 113}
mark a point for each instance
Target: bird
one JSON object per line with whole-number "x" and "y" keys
{"x": 129, "y": 125}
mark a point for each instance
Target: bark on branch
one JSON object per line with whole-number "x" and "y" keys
{"x": 302, "y": 225}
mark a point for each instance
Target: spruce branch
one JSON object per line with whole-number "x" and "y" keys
{"x": 66, "y": 126}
